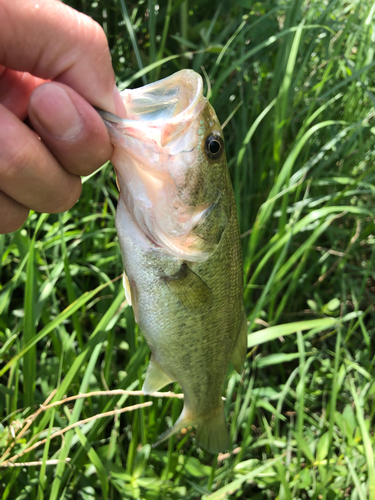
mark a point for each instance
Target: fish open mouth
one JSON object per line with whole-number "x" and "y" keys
{"x": 155, "y": 157}
{"x": 164, "y": 100}
{"x": 168, "y": 105}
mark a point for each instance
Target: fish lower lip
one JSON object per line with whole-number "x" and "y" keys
{"x": 109, "y": 117}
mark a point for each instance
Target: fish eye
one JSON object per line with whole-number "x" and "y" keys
{"x": 214, "y": 146}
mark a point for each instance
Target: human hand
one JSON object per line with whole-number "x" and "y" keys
{"x": 54, "y": 64}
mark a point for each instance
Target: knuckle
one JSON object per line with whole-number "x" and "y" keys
{"x": 13, "y": 214}
{"x": 100, "y": 53}
{"x": 14, "y": 156}
{"x": 93, "y": 34}
{"x": 69, "y": 196}
{"x": 99, "y": 37}
{"x": 11, "y": 225}
{"x": 31, "y": 174}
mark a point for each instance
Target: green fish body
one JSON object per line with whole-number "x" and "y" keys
{"x": 178, "y": 229}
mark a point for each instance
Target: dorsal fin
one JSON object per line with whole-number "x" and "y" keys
{"x": 240, "y": 347}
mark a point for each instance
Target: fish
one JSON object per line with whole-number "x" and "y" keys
{"x": 178, "y": 230}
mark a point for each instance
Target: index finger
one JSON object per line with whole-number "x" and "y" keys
{"x": 53, "y": 41}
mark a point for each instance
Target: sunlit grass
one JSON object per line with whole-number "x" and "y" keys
{"x": 294, "y": 82}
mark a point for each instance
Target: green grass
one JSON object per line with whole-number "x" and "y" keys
{"x": 294, "y": 83}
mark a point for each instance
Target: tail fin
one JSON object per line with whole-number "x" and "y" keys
{"x": 212, "y": 433}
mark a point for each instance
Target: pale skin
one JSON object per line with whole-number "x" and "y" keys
{"x": 55, "y": 66}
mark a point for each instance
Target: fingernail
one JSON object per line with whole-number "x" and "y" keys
{"x": 55, "y": 111}
{"x": 119, "y": 103}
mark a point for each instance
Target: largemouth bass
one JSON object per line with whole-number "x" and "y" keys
{"x": 177, "y": 225}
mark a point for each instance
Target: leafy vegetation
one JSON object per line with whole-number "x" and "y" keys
{"x": 292, "y": 81}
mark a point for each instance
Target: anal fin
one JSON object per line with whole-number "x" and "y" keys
{"x": 156, "y": 378}
{"x": 240, "y": 347}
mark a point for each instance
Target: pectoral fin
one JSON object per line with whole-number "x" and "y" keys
{"x": 156, "y": 378}
{"x": 117, "y": 181}
{"x": 189, "y": 288}
{"x": 240, "y": 347}
{"x": 128, "y": 293}
{"x": 131, "y": 294}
